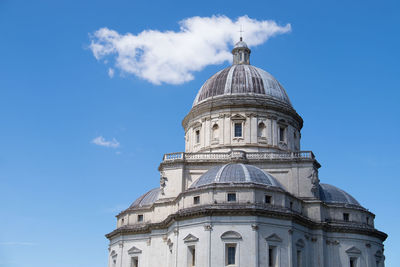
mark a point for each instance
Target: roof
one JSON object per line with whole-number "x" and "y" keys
{"x": 239, "y": 80}
{"x": 331, "y": 194}
{"x": 147, "y": 199}
{"x": 236, "y": 173}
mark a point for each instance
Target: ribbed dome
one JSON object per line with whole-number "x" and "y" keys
{"x": 236, "y": 173}
{"x": 242, "y": 79}
{"x": 331, "y": 194}
{"x": 147, "y": 199}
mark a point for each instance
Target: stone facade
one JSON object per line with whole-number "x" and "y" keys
{"x": 236, "y": 139}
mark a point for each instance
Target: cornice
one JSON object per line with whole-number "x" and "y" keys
{"x": 242, "y": 101}
{"x": 249, "y": 210}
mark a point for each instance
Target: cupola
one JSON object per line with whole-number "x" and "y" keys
{"x": 241, "y": 53}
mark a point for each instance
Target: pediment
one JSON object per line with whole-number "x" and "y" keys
{"x": 353, "y": 250}
{"x": 113, "y": 253}
{"x": 196, "y": 124}
{"x": 238, "y": 117}
{"x": 231, "y": 235}
{"x": 274, "y": 238}
{"x": 190, "y": 238}
{"x": 134, "y": 250}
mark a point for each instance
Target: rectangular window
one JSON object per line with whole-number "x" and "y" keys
{"x": 238, "y": 129}
{"x": 231, "y": 197}
{"x": 134, "y": 262}
{"x": 197, "y": 136}
{"x": 346, "y": 217}
{"x": 353, "y": 262}
{"x": 230, "y": 254}
{"x": 299, "y": 258}
{"x": 282, "y": 134}
{"x": 191, "y": 256}
{"x": 196, "y": 200}
{"x": 267, "y": 199}
{"x": 271, "y": 256}
{"x": 140, "y": 218}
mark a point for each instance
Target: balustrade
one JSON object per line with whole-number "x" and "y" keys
{"x": 238, "y": 154}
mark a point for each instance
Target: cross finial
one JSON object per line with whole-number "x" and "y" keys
{"x": 241, "y": 31}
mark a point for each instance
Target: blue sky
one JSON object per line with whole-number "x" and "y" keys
{"x": 59, "y": 191}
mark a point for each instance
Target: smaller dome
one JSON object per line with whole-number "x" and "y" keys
{"x": 147, "y": 199}
{"x": 331, "y": 194}
{"x": 236, "y": 174}
{"x": 240, "y": 44}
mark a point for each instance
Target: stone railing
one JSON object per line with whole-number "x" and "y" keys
{"x": 238, "y": 154}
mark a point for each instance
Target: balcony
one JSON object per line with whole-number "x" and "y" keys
{"x": 238, "y": 155}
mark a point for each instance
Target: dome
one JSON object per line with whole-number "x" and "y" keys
{"x": 240, "y": 44}
{"x": 147, "y": 199}
{"x": 331, "y": 194}
{"x": 236, "y": 173}
{"x": 240, "y": 79}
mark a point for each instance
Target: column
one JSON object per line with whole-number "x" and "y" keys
{"x": 221, "y": 128}
{"x": 247, "y": 128}
{"x": 227, "y": 127}
{"x": 269, "y": 131}
{"x": 254, "y": 128}
{"x": 274, "y": 132}
{"x": 254, "y": 227}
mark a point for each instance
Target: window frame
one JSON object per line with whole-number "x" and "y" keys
{"x": 228, "y": 247}
{"x": 282, "y": 134}
{"x": 133, "y": 259}
{"x": 232, "y": 194}
{"x": 269, "y": 197}
{"x": 196, "y": 200}
{"x": 272, "y": 255}
{"x": 197, "y": 136}
{"x": 140, "y": 217}
{"x": 191, "y": 257}
{"x": 353, "y": 261}
{"x": 234, "y": 129}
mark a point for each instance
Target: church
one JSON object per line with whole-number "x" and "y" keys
{"x": 244, "y": 194}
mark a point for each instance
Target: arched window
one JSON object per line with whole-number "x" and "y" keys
{"x": 231, "y": 240}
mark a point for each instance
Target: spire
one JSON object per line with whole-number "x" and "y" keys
{"x": 241, "y": 53}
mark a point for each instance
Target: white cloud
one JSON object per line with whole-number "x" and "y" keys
{"x": 101, "y": 141}
{"x": 172, "y": 57}
{"x": 110, "y": 72}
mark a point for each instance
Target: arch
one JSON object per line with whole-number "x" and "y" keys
{"x": 353, "y": 250}
{"x": 231, "y": 235}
